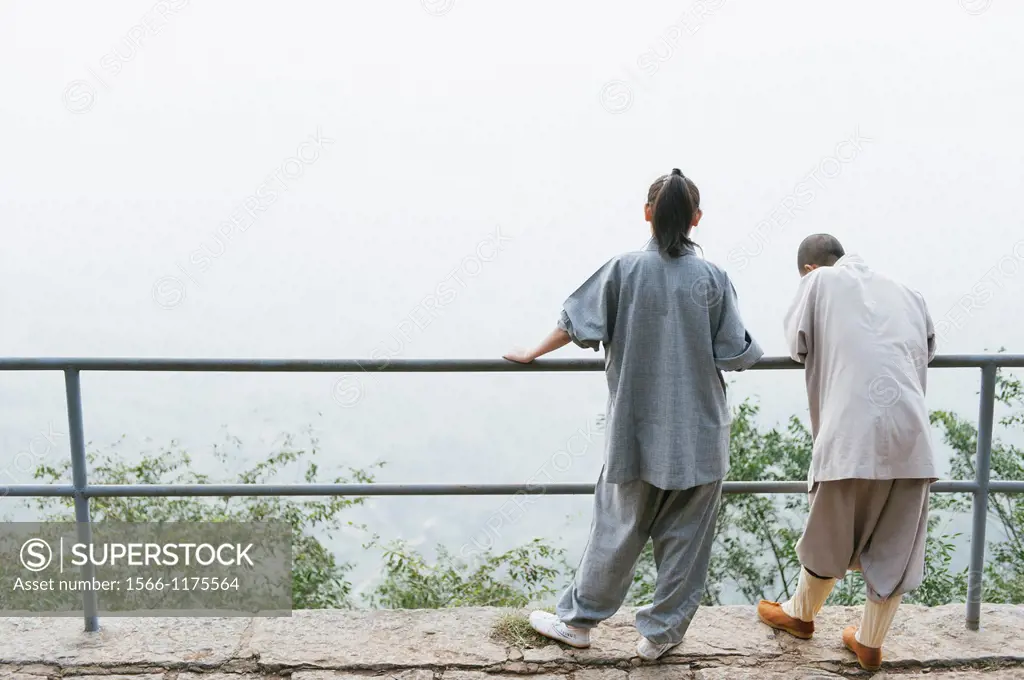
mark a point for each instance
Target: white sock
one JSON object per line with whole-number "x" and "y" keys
{"x": 877, "y": 619}
{"x": 810, "y": 596}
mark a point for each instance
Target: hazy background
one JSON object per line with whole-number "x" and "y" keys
{"x": 131, "y": 131}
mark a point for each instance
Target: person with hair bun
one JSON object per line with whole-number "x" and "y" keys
{"x": 670, "y": 324}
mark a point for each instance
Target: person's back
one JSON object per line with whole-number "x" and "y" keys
{"x": 866, "y": 372}
{"x": 669, "y": 419}
{"x": 866, "y": 341}
{"x": 669, "y": 322}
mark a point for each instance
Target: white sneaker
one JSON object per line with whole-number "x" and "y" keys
{"x": 551, "y": 626}
{"x": 649, "y": 651}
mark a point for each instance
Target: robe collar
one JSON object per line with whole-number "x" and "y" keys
{"x": 652, "y": 244}
{"x": 851, "y": 260}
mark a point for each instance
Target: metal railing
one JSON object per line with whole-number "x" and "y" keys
{"x": 82, "y": 491}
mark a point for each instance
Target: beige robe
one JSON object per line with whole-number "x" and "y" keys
{"x": 866, "y": 341}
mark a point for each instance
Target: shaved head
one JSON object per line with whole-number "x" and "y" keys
{"x": 819, "y": 250}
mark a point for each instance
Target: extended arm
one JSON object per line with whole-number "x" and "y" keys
{"x": 588, "y": 317}
{"x": 557, "y": 339}
{"x": 930, "y": 329}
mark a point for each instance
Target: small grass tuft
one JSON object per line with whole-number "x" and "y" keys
{"x": 513, "y": 629}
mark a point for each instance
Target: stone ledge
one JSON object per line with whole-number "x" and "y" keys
{"x": 455, "y": 644}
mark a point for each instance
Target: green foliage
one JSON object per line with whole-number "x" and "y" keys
{"x": 755, "y": 540}
{"x": 319, "y": 580}
{"x": 511, "y": 579}
{"x": 1004, "y": 566}
{"x": 941, "y": 584}
{"x": 849, "y": 592}
{"x": 644, "y": 578}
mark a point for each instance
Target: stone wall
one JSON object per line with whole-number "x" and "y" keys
{"x": 456, "y": 644}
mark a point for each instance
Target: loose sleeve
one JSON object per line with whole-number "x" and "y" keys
{"x": 932, "y": 344}
{"x": 588, "y": 316}
{"x": 734, "y": 348}
{"x": 799, "y": 322}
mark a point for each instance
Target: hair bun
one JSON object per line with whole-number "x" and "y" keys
{"x": 677, "y": 171}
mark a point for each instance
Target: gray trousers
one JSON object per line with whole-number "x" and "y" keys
{"x": 875, "y": 526}
{"x": 682, "y": 526}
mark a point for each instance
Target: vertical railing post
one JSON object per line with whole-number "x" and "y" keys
{"x": 986, "y": 412}
{"x": 80, "y": 479}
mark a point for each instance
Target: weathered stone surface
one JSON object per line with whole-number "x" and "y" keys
{"x": 662, "y": 671}
{"x": 32, "y": 669}
{"x": 789, "y": 672}
{"x": 378, "y": 639}
{"x": 480, "y": 675}
{"x": 975, "y": 674}
{"x": 919, "y": 636}
{"x": 929, "y": 635}
{"x": 1009, "y": 674}
{"x": 167, "y": 642}
{"x": 715, "y": 632}
{"x": 551, "y": 652}
{"x": 18, "y": 674}
{"x": 164, "y": 674}
{"x": 600, "y": 674}
{"x": 724, "y": 643}
{"x": 472, "y": 675}
{"x": 30, "y": 672}
{"x": 727, "y": 631}
{"x": 749, "y": 673}
{"x": 155, "y": 675}
{"x": 420, "y": 674}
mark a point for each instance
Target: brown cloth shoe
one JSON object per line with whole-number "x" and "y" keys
{"x": 771, "y": 613}
{"x": 870, "y": 658}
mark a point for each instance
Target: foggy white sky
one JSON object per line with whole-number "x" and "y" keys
{"x": 446, "y": 127}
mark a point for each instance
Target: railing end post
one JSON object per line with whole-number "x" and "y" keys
{"x": 983, "y": 461}
{"x": 80, "y": 480}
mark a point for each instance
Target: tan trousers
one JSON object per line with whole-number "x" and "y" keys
{"x": 877, "y": 527}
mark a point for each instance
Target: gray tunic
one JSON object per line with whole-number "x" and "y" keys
{"x": 669, "y": 327}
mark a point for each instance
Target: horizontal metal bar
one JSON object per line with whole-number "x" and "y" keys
{"x": 764, "y": 487}
{"x": 409, "y": 365}
{"x": 954, "y": 486}
{"x": 1006, "y": 486}
{"x": 301, "y": 365}
{"x": 977, "y": 360}
{"x": 336, "y": 489}
{"x": 37, "y": 490}
{"x": 182, "y": 490}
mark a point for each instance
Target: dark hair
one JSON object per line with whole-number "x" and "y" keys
{"x": 674, "y": 200}
{"x": 819, "y": 249}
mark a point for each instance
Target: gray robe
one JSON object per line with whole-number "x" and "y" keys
{"x": 669, "y": 327}
{"x": 866, "y": 341}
